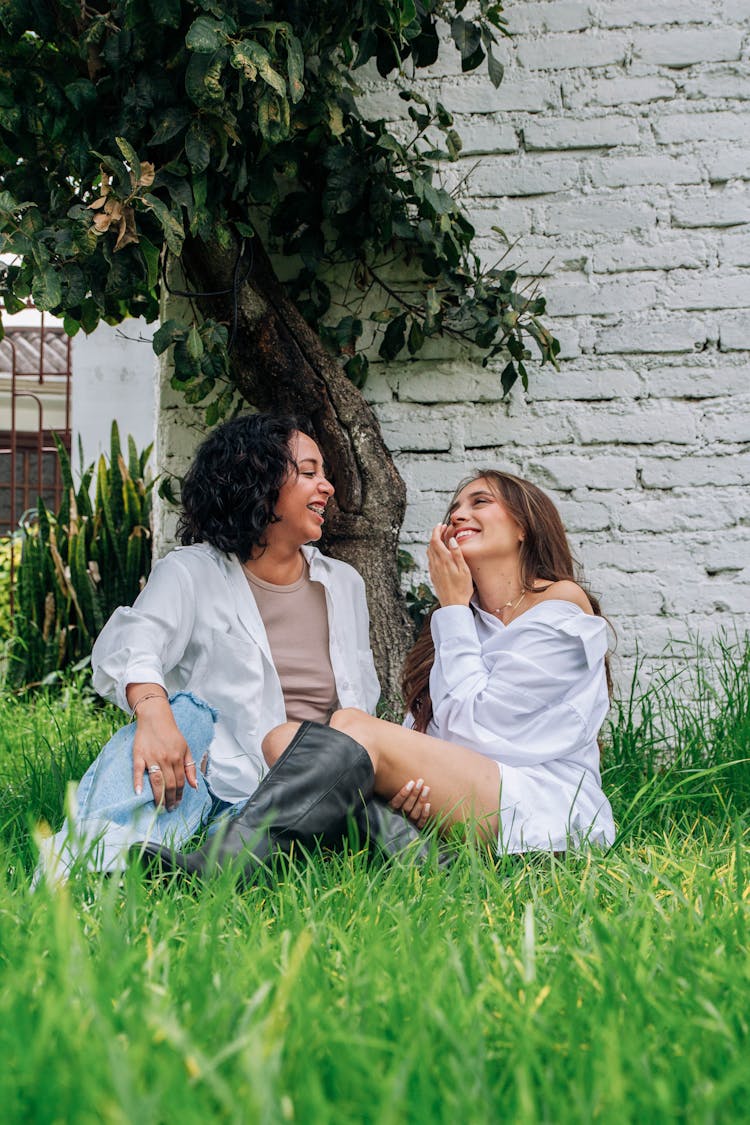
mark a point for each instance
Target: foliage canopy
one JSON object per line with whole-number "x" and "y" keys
{"x": 134, "y": 128}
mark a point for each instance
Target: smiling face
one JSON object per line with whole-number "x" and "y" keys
{"x": 303, "y": 496}
{"x": 482, "y": 525}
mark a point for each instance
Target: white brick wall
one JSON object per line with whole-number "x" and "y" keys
{"x": 619, "y": 146}
{"x": 618, "y": 149}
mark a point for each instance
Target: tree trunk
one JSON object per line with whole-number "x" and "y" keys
{"x": 280, "y": 364}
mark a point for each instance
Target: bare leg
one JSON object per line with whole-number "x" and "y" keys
{"x": 464, "y": 785}
{"x": 277, "y": 740}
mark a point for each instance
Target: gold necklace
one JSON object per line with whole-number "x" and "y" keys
{"x": 511, "y": 605}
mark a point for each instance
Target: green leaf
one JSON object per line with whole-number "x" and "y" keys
{"x": 170, "y": 123}
{"x": 174, "y": 234}
{"x": 194, "y": 343}
{"x": 508, "y": 377}
{"x": 129, "y": 153}
{"x": 198, "y": 145}
{"x": 46, "y": 289}
{"x": 70, "y": 326}
{"x": 295, "y": 68}
{"x": 357, "y": 369}
{"x": 206, "y": 34}
{"x": 202, "y": 78}
{"x": 384, "y": 316}
{"x": 253, "y": 60}
{"x": 166, "y": 335}
{"x": 495, "y": 69}
{"x": 416, "y": 338}
{"x": 150, "y": 256}
{"x": 166, "y": 12}
{"x": 81, "y": 93}
{"x": 466, "y": 36}
{"x": 394, "y": 338}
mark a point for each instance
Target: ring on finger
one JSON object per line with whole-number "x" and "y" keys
{"x": 189, "y": 765}
{"x": 153, "y": 769}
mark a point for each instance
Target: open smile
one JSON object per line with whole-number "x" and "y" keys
{"x": 465, "y": 533}
{"x": 319, "y": 510}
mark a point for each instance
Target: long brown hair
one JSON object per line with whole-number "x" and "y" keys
{"x": 545, "y": 556}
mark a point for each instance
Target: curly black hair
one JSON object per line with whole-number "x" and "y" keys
{"x": 230, "y": 491}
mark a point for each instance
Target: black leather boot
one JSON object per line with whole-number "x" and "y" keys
{"x": 392, "y": 836}
{"x": 309, "y": 795}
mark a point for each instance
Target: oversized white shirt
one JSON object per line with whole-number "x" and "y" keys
{"x": 196, "y": 627}
{"x": 532, "y": 695}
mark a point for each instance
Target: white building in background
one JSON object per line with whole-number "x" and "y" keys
{"x": 72, "y": 388}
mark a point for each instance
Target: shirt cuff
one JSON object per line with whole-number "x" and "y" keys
{"x": 453, "y": 621}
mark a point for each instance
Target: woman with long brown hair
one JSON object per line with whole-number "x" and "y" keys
{"x": 506, "y": 688}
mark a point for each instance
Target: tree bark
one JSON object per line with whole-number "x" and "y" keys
{"x": 280, "y": 364}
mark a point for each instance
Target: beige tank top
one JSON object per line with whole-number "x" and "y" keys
{"x": 296, "y": 622}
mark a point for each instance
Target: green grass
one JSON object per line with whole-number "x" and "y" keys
{"x": 608, "y": 987}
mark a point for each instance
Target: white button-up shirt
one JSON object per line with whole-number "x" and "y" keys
{"x": 196, "y": 627}
{"x": 532, "y": 695}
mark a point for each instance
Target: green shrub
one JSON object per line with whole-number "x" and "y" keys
{"x": 77, "y": 566}
{"x": 10, "y": 547}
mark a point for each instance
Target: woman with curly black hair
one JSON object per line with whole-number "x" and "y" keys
{"x": 246, "y": 623}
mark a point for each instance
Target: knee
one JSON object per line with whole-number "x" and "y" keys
{"x": 277, "y": 740}
{"x": 349, "y": 720}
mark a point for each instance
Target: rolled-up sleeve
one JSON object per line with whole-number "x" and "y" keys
{"x": 142, "y": 643}
{"x": 512, "y": 704}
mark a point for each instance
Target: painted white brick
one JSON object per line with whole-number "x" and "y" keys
{"x": 734, "y": 249}
{"x": 569, "y": 297}
{"x": 634, "y": 171}
{"x": 622, "y": 13}
{"x": 522, "y": 177}
{"x": 569, "y": 133}
{"x": 408, "y": 428}
{"x": 631, "y": 594}
{"x": 669, "y": 253}
{"x": 481, "y": 135}
{"x": 679, "y": 334}
{"x": 616, "y": 91}
{"x": 495, "y": 427}
{"x": 693, "y": 471}
{"x": 679, "y": 48}
{"x": 720, "y": 84}
{"x": 678, "y": 128}
{"x": 597, "y": 215}
{"x": 475, "y": 95}
{"x": 377, "y": 388}
{"x": 734, "y": 333}
{"x": 431, "y": 474}
{"x": 584, "y": 386}
{"x": 447, "y": 382}
{"x": 513, "y": 216}
{"x": 598, "y": 471}
{"x": 729, "y": 422}
{"x": 722, "y": 209}
{"x": 639, "y": 424}
{"x": 727, "y": 163}
{"x": 735, "y": 11}
{"x": 584, "y": 515}
{"x": 563, "y": 15}
{"x": 710, "y": 380}
{"x": 585, "y": 49}
{"x": 724, "y": 292}
{"x": 706, "y": 508}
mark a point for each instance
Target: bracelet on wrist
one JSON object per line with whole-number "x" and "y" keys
{"x": 149, "y": 695}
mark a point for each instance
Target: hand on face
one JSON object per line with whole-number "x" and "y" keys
{"x": 450, "y": 576}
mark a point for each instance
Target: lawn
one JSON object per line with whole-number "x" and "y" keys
{"x": 607, "y": 986}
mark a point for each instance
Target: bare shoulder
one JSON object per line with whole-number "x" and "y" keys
{"x": 566, "y": 591}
